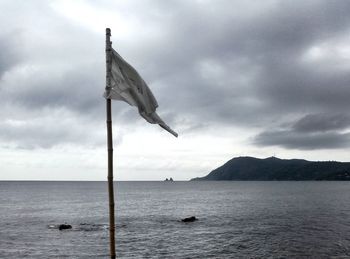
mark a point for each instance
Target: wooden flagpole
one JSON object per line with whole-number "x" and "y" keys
{"x": 110, "y": 145}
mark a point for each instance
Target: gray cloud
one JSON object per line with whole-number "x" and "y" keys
{"x": 312, "y": 131}
{"x": 235, "y": 63}
{"x": 9, "y": 54}
{"x": 322, "y": 122}
{"x": 260, "y": 58}
{"x": 303, "y": 141}
{"x": 49, "y": 131}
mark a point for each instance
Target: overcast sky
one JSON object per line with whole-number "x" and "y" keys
{"x": 233, "y": 78}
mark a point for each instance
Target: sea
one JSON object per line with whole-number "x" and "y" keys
{"x": 237, "y": 219}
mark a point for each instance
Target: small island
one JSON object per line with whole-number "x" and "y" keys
{"x": 275, "y": 169}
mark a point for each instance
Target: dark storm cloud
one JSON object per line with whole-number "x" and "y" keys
{"x": 303, "y": 141}
{"x": 239, "y": 63}
{"x": 294, "y": 140}
{"x": 9, "y": 55}
{"x": 322, "y": 122}
{"x": 261, "y": 60}
{"x": 312, "y": 131}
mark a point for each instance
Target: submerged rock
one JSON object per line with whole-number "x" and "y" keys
{"x": 64, "y": 226}
{"x": 190, "y": 219}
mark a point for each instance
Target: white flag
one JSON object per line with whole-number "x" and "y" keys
{"x": 128, "y": 86}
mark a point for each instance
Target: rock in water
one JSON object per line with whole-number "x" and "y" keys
{"x": 64, "y": 226}
{"x": 190, "y": 219}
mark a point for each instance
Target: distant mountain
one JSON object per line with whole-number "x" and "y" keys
{"x": 272, "y": 168}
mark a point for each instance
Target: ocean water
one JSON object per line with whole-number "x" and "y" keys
{"x": 235, "y": 219}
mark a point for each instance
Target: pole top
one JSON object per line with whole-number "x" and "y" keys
{"x": 108, "y": 31}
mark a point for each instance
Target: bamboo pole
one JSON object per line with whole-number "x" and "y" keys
{"x": 110, "y": 146}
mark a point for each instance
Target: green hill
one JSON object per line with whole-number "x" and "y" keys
{"x": 272, "y": 168}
